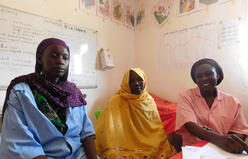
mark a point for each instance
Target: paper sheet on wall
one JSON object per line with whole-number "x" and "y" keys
{"x": 181, "y": 48}
{"x": 210, "y": 151}
{"x": 230, "y": 33}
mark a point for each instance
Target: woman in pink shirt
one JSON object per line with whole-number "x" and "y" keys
{"x": 205, "y": 113}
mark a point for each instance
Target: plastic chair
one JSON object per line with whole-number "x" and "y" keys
{"x": 98, "y": 113}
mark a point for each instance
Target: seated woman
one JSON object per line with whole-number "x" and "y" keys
{"x": 208, "y": 114}
{"x": 130, "y": 126}
{"x": 44, "y": 114}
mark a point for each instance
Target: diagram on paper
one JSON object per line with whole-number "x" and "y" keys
{"x": 181, "y": 48}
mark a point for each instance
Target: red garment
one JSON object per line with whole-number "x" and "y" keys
{"x": 167, "y": 112}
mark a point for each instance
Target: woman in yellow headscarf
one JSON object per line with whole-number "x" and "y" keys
{"x": 130, "y": 126}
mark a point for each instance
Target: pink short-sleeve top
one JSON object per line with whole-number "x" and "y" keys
{"x": 225, "y": 114}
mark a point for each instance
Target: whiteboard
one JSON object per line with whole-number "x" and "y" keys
{"x": 20, "y": 35}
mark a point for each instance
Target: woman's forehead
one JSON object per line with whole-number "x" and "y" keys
{"x": 134, "y": 74}
{"x": 204, "y": 67}
{"x": 56, "y": 47}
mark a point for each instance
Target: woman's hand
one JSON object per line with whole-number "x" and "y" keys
{"x": 239, "y": 140}
{"x": 90, "y": 147}
{"x": 229, "y": 143}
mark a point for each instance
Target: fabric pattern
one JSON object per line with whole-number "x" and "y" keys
{"x": 49, "y": 112}
{"x": 66, "y": 95}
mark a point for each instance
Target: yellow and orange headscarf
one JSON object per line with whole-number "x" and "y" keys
{"x": 130, "y": 126}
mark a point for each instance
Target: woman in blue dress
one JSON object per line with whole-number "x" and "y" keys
{"x": 44, "y": 115}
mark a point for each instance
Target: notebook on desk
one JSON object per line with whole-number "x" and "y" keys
{"x": 210, "y": 151}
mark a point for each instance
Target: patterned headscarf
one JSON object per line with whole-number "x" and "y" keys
{"x": 210, "y": 62}
{"x": 64, "y": 95}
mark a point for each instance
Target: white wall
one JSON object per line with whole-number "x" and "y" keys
{"x": 118, "y": 38}
{"x": 168, "y": 83}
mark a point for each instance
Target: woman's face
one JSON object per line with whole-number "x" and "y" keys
{"x": 136, "y": 83}
{"x": 54, "y": 61}
{"x": 206, "y": 77}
